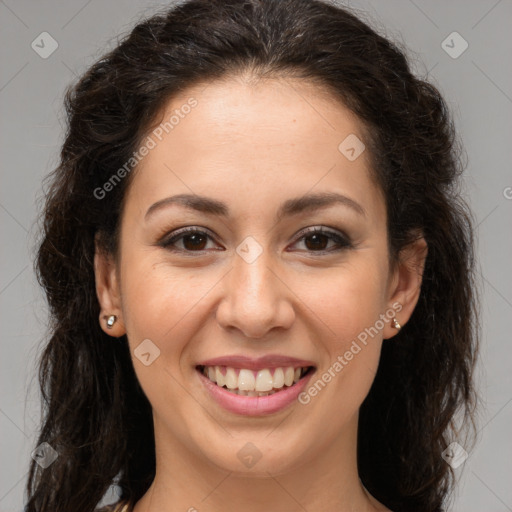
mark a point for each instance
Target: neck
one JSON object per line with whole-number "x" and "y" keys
{"x": 187, "y": 481}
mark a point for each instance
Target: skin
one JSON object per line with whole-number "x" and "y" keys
{"x": 254, "y": 145}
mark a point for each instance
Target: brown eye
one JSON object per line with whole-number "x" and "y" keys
{"x": 193, "y": 240}
{"x": 317, "y": 240}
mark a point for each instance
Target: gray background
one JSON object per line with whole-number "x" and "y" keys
{"x": 477, "y": 86}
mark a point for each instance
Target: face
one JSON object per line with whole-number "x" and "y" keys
{"x": 251, "y": 278}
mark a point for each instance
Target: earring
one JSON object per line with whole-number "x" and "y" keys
{"x": 111, "y": 320}
{"x": 395, "y": 324}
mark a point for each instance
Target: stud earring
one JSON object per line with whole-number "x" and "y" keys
{"x": 111, "y": 320}
{"x": 395, "y": 324}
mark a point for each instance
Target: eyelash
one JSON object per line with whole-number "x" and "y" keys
{"x": 343, "y": 241}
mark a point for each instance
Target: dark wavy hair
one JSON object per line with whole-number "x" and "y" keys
{"x": 96, "y": 415}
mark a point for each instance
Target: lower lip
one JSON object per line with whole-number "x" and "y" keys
{"x": 255, "y": 405}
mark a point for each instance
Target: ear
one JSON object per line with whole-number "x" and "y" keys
{"x": 405, "y": 283}
{"x": 107, "y": 291}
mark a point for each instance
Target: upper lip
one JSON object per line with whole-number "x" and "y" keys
{"x": 267, "y": 361}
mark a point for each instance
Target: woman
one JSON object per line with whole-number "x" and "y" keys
{"x": 259, "y": 270}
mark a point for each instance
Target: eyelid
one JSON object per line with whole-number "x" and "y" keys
{"x": 340, "y": 237}
{"x": 324, "y": 230}
{"x": 166, "y": 241}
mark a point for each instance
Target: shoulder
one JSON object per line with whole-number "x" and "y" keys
{"x": 120, "y": 506}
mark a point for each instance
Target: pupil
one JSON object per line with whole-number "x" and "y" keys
{"x": 196, "y": 241}
{"x": 315, "y": 244}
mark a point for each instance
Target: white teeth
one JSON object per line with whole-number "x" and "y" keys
{"x": 246, "y": 380}
{"x": 278, "y": 378}
{"x": 264, "y": 381}
{"x": 231, "y": 381}
{"x": 288, "y": 376}
{"x": 250, "y": 393}
{"x": 219, "y": 378}
{"x": 250, "y": 383}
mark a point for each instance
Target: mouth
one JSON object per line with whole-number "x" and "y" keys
{"x": 255, "y": 383}
{"x": 251, "y": 386}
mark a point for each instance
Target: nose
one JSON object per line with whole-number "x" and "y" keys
{"x": 256, "y": 299}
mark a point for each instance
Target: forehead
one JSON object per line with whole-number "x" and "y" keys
{"x": 240, "y": 140}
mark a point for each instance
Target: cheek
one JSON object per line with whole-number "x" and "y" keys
{"x": 347, "y": 300}
{"x": 342, "y": 302}
{"x": 162, "y": 303}
{"x": 349, "y": 306}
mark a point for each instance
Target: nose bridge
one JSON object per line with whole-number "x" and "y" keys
{"x": 252, "y": 273}
{"x": 255, "y": 300}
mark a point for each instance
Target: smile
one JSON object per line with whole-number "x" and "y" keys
{"x": 254, "y": 392}
{"x": 245, "y": 382}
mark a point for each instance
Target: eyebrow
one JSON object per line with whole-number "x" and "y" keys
{"x": 290, "y": 207}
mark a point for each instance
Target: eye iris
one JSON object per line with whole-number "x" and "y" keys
{"x": 316, "y": 237}
{"x": 196, "y": 241}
